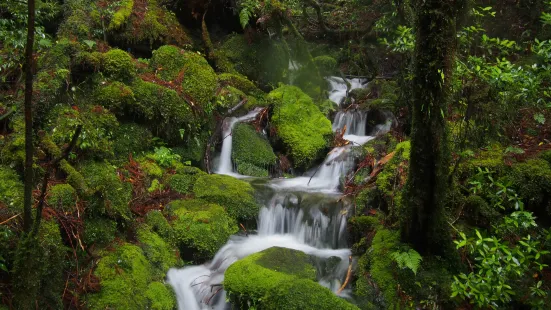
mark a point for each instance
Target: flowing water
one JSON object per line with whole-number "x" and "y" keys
{"x": 302, "y": 213}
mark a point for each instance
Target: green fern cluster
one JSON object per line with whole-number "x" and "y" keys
{"x": 407, "y": 259}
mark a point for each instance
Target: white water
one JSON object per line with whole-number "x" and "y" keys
{"x": 338, "y": 90}
{"x": 355, "y": 122}
{"x": 287, "y": 219}
{"x": 225, "y": 165}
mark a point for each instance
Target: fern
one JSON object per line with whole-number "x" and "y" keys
{"x": 407, "y": 259}
{"x": 244, "y": 16}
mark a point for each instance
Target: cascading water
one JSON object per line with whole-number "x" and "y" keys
{"x": 225, "y": 165}
{"x": 301, "y": 213}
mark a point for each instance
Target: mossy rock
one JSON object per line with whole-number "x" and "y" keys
{"x": 302, "y": 127}
{"x": 156, "y": 25}
{"x": 160, "y": 296}
{"x": 326, "y": 65}
{"x": 62, "y": 197}
{"x": 159, "y": 253}
{"x": 184, "y": 179}
{"x": 161, "y": 109}
{"x": 392, "y": 178}
{"x": 251, "y": 152}
{"x": 168, "y": 60}
{"x": 111, "y": 195}
{"x": 115, "y": 96}
{"x": 118, "y": 65}
{"x": 278, "y": 278}
{"x": 98, "y": 125}
{"x": 11, "y": 189}
{"x": 198, "y": 78}
{"x": 159, "y": 224}
{"x": 236, "y": 196}
{"x": 480, "y": 212}
{"x": 533, "y": 182}
{"x": 99, "y": 231}
{"x": 492, "y": 158}
{"x": 380, "y": 94}
{"x": 238, "y": 81}
{"x": 124, "y": 274}
{"x": 201, "y": 226}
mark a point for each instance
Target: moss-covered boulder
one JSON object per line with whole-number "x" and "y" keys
{"x": 238, "y": 81}
{"x": 159, "y": 224}
{"x": 118, "y": 65}
{"x": 110, "y": 195}
{"x": 198, "y": 79}
{"x": 326, "y": 65}
{"x": 380, "y": 94}
{"x": 304, "y": 130}
{"x": 11, "y": 189}
{"x": 99, "y": 231}
{"x": 160, "y": 296}
{"x": 98, "y": 125}
{"x": 158, "y": 252}
{"x": 124, "y": 274}
{"x": 200, "y": 227}
{"x": 184, "y": 179}
{"x": 278, "y": 278}
{"x": 533, "y": 182}
{"x": 161, "y": 109}
{"x": 62, "y": 197}
{"x": 116, "y": 96}
{"x": 251, "y": 152}
{"x": 236, "y": 196}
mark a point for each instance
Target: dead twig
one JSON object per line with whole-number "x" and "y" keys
{"x": 348, "y": 274}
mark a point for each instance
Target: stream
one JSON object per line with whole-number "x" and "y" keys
{"x": 302, "y": 213}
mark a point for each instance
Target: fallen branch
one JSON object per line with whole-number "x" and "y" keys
{"x": 348, "y": 274}
{"x": 244, "y": 229}
{"x": 4, "y": 222}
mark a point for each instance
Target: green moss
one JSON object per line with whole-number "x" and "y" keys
{"x": 327, "y": 106}
{"x": 380, "y": 94}
{"x": 301, "y": 126}
{"x": 380, "y": 264}
{"x": 268, "y": 280}
{"x": 234, "y": 195}
{"x": 533, "y": 181}
{"x": 202, "y": 226}
{"x": 159, "y": 254}
{"x": 160, "y": 297}
{"x": 161, "y": 109}
{"x": 546, "y": 155}
{"x": 168, "y": 61}
{"x": 74, "y": 178}
{"x": 97, "y": 123}
{"x": 11, "y": 189}
{"x": 121, "y": 15}
{"x": 492, "y": 158}
{"x": 228, "y": 96}
{"x": 182, "y": 184}
{"x": 62, "y": 197}
{"x": 13, "y": 146}
{"x": 251, "y": 149}
{"x": 111, "y": 195}
{"x": 159, "y": 224}
{"x": 118, "y": 65}
{"x": 122, "y": 272}
{"x": 199, "y": 80}
{"x": 238, "y": 81}
{"x": 132, "y": 139}
{"x": 391, "y": 179}
{"x": 99, "y": 231}
{"x": 480, "y": 211}
{"x": 115, "y": 96}
{"x": 326, "y": 65}
{"x": 151, "y": 169}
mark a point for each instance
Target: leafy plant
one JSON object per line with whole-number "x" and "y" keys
{"x": 407, "y": 259}
{"x": 164, "y": 156}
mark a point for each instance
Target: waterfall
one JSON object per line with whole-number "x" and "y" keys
{"x": 302, "y": 213}
{"x": 225, "y": 165}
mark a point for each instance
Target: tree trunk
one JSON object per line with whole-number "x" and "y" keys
{"x": 27, "y": 202}
{"x": 424, "y": 225}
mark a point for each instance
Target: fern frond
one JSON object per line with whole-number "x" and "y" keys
{"x": 408, "y": 259}
{"x": 244, "y": 16}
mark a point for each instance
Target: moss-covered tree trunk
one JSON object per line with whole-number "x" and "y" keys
{"x": 424, "y": 225}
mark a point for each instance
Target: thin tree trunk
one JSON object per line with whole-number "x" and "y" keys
{"x": 424, "y": 226}
{"x": 27, "y": 202}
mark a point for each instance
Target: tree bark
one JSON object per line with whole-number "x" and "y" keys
{"x": 424, "y": 225}
{"x": 27, "y": 201}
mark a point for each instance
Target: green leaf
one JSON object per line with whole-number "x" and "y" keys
{"x": 539, "y": 118}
